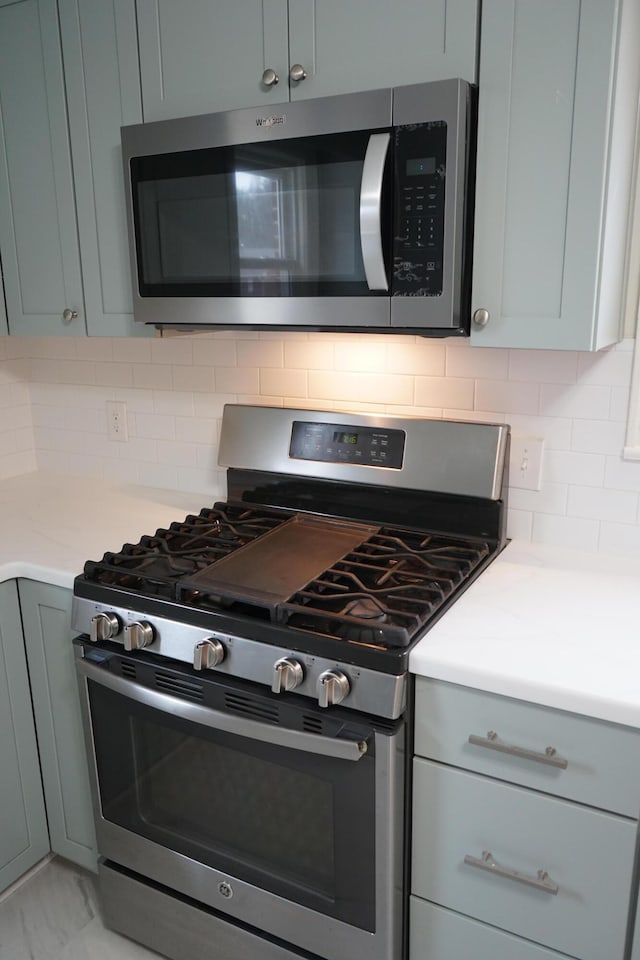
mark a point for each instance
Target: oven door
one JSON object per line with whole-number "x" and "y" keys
{"x": 277, "y": 814}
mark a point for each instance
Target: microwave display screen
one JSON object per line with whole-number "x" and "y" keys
{"x": 421, "y": 166}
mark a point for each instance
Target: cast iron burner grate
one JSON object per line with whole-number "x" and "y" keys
{"x": 385, "y": 590}
{"x": 154, "y": 566}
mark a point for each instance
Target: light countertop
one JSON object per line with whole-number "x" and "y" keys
{"x": 555, "y": 627}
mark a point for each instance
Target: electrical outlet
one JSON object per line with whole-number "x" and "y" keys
{"x": 525, "y": 462}
{"x": 117, "y": 420}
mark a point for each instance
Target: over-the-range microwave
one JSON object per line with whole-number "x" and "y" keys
{"x": 351, "y": 212}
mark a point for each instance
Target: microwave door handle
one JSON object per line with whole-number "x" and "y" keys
{"x": 370, "y": 211}
{"x": 208, "y": 717}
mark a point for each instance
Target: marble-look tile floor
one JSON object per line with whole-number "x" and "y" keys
{"x": 54, "y": 915}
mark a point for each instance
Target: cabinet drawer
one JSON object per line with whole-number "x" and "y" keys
{"x": 586, "y": 853}
{"x": 438, "y": 934}
{"x": 602, "y": 759}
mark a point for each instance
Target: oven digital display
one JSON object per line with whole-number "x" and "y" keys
{"x": 344, "y": 443}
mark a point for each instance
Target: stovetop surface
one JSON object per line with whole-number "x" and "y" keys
{"x": 378, "y": 586}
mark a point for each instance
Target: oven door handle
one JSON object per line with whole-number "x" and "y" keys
{"x": 208, "y": 717}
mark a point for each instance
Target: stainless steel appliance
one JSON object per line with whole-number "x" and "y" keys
{"x": 350, "y": 212}
{"x": 244, "y": 683}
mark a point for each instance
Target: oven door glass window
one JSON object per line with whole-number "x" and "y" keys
{"x": 299, "y": 825}
{"x": 271, "y": 219}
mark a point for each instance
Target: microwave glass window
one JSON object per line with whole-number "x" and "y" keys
{"x": 268, "y": 219}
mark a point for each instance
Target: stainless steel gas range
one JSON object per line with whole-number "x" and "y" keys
{"x": 245, "y": 689}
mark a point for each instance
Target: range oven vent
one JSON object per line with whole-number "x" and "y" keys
{"x": 179, "y": 686}
{"x": 250, "y": 707}
{"x": 128, "y": 670}
{"x": 311, "y": 724}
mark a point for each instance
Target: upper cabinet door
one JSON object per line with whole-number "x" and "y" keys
{"x": 366, "y": 44}
{"x": 557, "y": 111}
{"x": 38, "y": 234}
{"x": 103, "y": 92}
{"x": 200, "y": 57}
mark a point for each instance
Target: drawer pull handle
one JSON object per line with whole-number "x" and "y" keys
{"x": 541, "y": 881}
{"x": 491, "y": 742}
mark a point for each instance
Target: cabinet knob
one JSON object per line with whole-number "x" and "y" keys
{"x": 270, "y": 78}
{"x": 69, "y": 315}
{"x": 297, "y": 73}
{"x": 481, "y": 317}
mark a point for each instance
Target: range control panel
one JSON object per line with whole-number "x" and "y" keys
{"x": 341, "y": 443}
{"x": 419, "y": 207}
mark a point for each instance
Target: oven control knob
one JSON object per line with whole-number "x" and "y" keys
{"x": 208, "y": 654}
{"x": 104, "y": 626}
{"x": 287, "y": 675}
{"x": 333, "y": 687}
{"x": 137, "y": 635}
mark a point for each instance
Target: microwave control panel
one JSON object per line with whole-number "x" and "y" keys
{"x": 419, "y": 206}
{"x": 341, "y": 443}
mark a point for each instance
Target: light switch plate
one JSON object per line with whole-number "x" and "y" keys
{"x": 525, "y": 462}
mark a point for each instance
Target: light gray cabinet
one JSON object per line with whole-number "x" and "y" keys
{"x": 557, "y": 116}
{"x": 46, "y": 615}
{"x": 103, "y": 93}
{"x": 525, "y": 824}
{"x": 68, "y": 80}
{"x": 23, "y": 824}
{"x": 38, "y": 232}
{"x": 200, "y": 57}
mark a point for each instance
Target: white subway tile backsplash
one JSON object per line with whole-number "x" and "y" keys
{"x": 610, "y": 367}
{"x": 620, "y": 538}
{"x": 199, "y": 379}
{"x": 370, "y": 356}
{"x": 501, "y": 395}
{"x": 215, "y": 353}
{"x": 113, "y": 374}
{"x": 173, "y": 350}
{"x": 237, "y": 379}
{"x": 590, "y": 401}
{"x": 260, "y": 353}
{"x": 130, "y": 349}
{"x": 567, "y": 466}
{"x": 486, "y": 364}
{"x": 622, "y": 474}
{"x": 150, "y": 376}
{"x": 378, "y": 388}
{"x": 543, "y": 366}
{"x": 454, "y": 392}
{"x": 555, "y": 431}
{"x": 173, "y": 402}
{"x": 601, "y": 504}
{"x": 597, "y": 436}
{"x": 53, "y": 394}
{"x": 308, "y": 354}
{"x": 519, "y": 524}
{"x": 619, "y": 405}
{"x": 278, "y": 383}
{"x": 552, "y": 498}
{"x": 154, "y": 426}
{"x": 571, "y": 532}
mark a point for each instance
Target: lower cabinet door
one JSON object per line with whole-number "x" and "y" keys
{"x": 439, "y": 934}
{"x": 554, "y": 872}
{"x": 46, "y": 617}
{"x": 23, "y": 823}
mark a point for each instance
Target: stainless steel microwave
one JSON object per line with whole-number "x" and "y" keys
{"x": 351, "y": 212}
